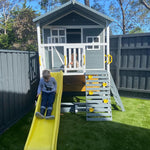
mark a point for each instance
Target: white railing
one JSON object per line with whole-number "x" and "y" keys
{"x": 74, "y": 58}
{"x": 73, "y": 44}
{"x": 74, "y": 54}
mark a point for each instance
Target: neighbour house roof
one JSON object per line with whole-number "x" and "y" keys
{"x": 73, "y": 7}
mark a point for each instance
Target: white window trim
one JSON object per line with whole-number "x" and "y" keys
{"x": 93, "y": 43}
{"x": 49, "y": 39}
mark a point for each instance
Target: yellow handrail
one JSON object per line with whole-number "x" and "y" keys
{"x": 84, "y": 60}
{"x": 40, "y": 60}
{"x": 110, "y": 59}
{"x": 65, "y": 60}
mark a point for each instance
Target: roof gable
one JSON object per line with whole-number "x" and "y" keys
{"x": 73, "y": 6}
{"x": 73, "y": 19}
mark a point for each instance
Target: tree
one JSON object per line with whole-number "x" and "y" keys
{"x": 6, "y": 7}
{"x": 48, "y": 5}
{"x": 98, "y": 5}
{"x": 125, "y": 13}
{"x": 86, "y": 2}
{"x": 145, "y": 3}
{"x": 136, "y": 30}
{"x": 63, "y": 1}
{"x": 25, "y": 29}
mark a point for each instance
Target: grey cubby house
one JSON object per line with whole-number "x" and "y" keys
{"x": 74, "y": 38}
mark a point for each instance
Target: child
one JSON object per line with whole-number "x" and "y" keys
{"x": 48, "y": 87}
{"x": 72, "y": 61}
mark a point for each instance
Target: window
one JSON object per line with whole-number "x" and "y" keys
{"x": 57, "y": 36}
{"x": 93, "y": 42}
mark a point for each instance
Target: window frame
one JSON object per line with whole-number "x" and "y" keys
{"x": 93, "y": 43}
{"x": 52, "y": 38}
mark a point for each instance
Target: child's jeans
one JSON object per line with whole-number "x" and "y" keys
{"x": 47, "y": 102}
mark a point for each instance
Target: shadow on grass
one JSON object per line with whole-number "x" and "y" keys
{"x": 115, "y": 107}
{"x": 73, "y": 97}
{"x": 15, "y": 137}
{"x": 77, "y": 134}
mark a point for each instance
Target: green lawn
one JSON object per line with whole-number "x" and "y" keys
{"x": 129, "y": 130}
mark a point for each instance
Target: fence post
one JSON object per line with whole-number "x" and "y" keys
{"x": 118, "y": 62}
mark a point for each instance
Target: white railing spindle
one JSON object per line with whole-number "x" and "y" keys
{"x": 70, "y": 65}
{"x": 74, "y": 54}
{"x": 79, "y": 56}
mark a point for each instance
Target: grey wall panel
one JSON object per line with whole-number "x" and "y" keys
{"x": 91, "y": 32}
{"x": 73, "y": 19}
{"x": 57, "y": 62}
{"x": 48, "y": 56}
{"x": 18, "y": 85}
{"x": 94, "y": 59}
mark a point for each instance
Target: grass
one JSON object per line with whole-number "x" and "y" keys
{"x": 129, "y": 130}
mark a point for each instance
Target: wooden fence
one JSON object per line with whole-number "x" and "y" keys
{"x": 131, "y": 62}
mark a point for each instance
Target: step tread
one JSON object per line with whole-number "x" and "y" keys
{"x": 99, "y": 114}
{"x": 99, "y": 119}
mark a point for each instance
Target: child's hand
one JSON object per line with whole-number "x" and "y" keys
{"x": 35, "y": 103}
{"x": 37, "y": 95}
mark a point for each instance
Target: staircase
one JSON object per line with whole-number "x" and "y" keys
{"x": 98, "y": 102}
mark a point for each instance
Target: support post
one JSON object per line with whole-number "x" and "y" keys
{"x": 39, "y": 48}
{"x": 118, "y": 63}
{"x": 108, "y": 47}
{"x": 104, "y": 46}
{"x": 65, "y": 59}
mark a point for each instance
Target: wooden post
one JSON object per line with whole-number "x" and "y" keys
{"x": 39, "y": 48}
{"x": 108, "y": 47}
{"x": 104, "y": 47}
{"x": 118, "y": 63}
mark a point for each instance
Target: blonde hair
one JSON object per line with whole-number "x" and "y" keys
{"x": 46, "y": 73}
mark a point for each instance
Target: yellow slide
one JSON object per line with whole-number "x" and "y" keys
{"x": 43, "y": 133}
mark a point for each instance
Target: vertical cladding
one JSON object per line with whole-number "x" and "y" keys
{"x": 1, "y": 95}
{"x": 15, "y": 89}
{"x": 148, "y": 81}
{"x": 91, "y": 32}
{"x": 94, "y": 58}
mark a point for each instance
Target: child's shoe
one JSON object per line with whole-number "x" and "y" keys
{"x": 50, "y": 117}
{"x": 39, "y": 115}
{"x": 48, "y": 114}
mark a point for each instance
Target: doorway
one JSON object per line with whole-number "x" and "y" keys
{"x": 73, "y": 35}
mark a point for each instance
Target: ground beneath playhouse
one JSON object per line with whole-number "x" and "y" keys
{"x": 129, "y": 130}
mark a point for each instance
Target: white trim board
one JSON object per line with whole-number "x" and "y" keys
{"x": 73, "y": 26}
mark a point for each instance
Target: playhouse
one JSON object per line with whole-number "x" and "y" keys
{"x": 74, "y": 38}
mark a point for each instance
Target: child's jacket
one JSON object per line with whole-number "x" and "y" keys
{"x": 48, "y": 87}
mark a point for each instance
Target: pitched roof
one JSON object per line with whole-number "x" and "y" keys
{"x": 73, "y": 6}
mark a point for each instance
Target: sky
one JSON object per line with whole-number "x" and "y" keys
{"x": 34, "y": 4}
